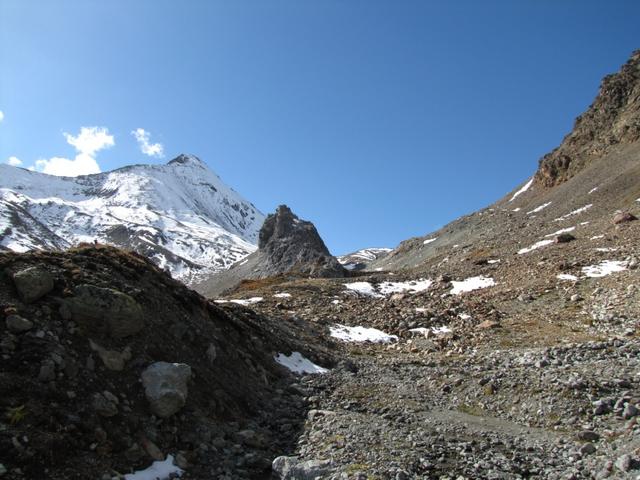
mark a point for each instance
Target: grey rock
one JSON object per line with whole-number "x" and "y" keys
{"x": 18, "y": 324}
{"x": 165, "y": 386}
{"x": 105, "y": 310}
{"x": 587, "y": 449}
{"x": 104, "y": 404}
{"x": 630, "y": 411}
{"x": 47, "y": 372}
{"x": 588, "y": 436}
{"x": 33, "y": 283}
{"x": 112, "y": 359}
{"x": 624, "y": 463}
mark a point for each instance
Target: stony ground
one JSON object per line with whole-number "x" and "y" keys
{"x": 537, "y": 377}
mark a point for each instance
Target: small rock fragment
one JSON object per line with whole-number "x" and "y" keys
{"x": 18, "y": 324}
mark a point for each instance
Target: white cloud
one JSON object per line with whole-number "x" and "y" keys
{"x": 64, "y": 167}
{"x": 14, "y": 161}
{"x": 151, "y": 149}
{"x": 88, "y": 143}
{"x": 1, "y": 115}
{"x": 90, "y": 140}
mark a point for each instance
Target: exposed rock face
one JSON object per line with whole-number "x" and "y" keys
{"x": 287, "y": 243}
{"x": 105, "y": 309}
{"x": 613, "y": 118}
{"x": 287, "y": 246}
{"x": 165, "y": 386}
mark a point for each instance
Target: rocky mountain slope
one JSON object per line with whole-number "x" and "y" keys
{"x": 583, "y": 195}
{"x": 109, "y": 364}
{"x": 287, "y": 245}
{"x": 503, "y": 346}
{"x": 181, "y": 215}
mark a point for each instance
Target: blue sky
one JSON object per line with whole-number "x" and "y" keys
{"x": 377, "y": 120}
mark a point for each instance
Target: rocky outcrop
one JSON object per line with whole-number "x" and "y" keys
{"x": 287, "y": 246}
{"x": 612, "y": 119}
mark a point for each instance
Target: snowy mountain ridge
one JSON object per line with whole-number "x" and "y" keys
{"x": 181, "y": 215}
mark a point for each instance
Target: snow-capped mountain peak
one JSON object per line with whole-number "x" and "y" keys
{"x": 179, "y": 214}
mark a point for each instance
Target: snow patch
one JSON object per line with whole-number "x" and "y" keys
{"x": 282, "y": 295}
{"x": 522, "y": 190}
{"x": 561, "y": 231}
{"x": 247, "y": 301}
{"x": 470, "y": 284}
{"x": 429, "y": 240}
{"x": 299, "y": 364}
{"x": 360, "y": 334}
{"x": 540, "y": 208}
{"x": 387, "y": 288}
{"x": 567, "y": 277}
{"x": 535, "y": 246}
{"x": 593, "y": 190}
{"x": 575, "y": 212}
{"x": 160, "y": 470}
{"x": 495, "y": 260}
{"x": 604, "y": 268}
{"x": 363, "y": 288}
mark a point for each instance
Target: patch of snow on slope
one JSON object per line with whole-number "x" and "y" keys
{"x": 412, "y": 286}
{"x": 577, "y": 211}
{"x": 535, "y": 246}
{"x": 299, "y": 364}
{"x": 604, "y": 268}
{"x": 360, "y": 334}
{"x": 540, "y": 208}
{"x": 593, "y": 190}
{"x": 161, "y": 470}
{"x": 561, "y": 231}
{"x": 429, "y": 240}
{"x": 247, "y": 301}
{"x": 363, "y": 288}
{"x": 387, "y": 288}
{"x": 282, "y": 295}
{"x": 567, "y": 276}
{"x": 470, "y": 284}
{"x": 522, "y": 190}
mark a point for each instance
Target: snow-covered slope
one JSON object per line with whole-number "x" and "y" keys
{"x": 180, "y": 214}
{"x": 360, "y": 259}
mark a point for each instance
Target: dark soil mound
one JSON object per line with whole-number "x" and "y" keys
{"x": 79, "y": 328}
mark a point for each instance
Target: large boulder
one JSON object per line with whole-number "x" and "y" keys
{"x": 33, "y": 283}
{"x": 104, "y": 310}
{"x": 165, "y": 386}
{"x": 623, "y": 217}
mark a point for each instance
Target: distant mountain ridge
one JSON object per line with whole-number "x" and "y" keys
{"x": 360, "y": 259}
{"x": 180, "y": 215}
